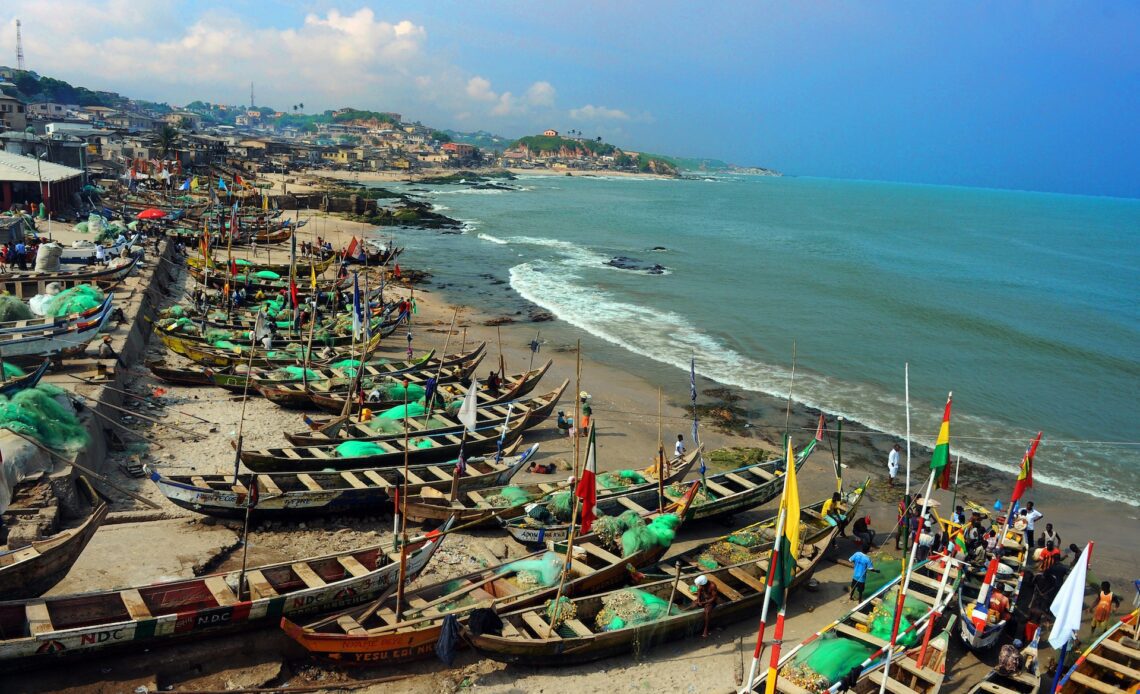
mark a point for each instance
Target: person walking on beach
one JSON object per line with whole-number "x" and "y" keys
{"x": 1102, "y": 609}
{"x": 1051, "y": 535}
{"x": 706, "y": 599}
{"x": 863, "y": 532}
{"x": 862, "y": 564}
{"x": 1032, "y": 515}
{"x": 893, "y": 464}
{"x": 679, "y": 449}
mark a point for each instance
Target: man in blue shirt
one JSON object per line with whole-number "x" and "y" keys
{"x": 862, "y": 564}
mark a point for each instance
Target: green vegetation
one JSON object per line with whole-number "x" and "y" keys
{"x": 350, "y": 114}
{"x": 697, "y": 164}
{"x": 440, "y": 136}
{"x": 480, "y": 138}
{"x": 542, "y": 144}
{"x": 34, "y": 88}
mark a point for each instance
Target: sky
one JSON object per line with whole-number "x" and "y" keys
{"x": 1040, "y": 96}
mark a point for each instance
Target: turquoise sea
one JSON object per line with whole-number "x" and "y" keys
{"x": 1025, "y": 305}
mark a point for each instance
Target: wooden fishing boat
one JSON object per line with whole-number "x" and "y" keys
{"x": 300, "y": 495}
{"x": 199, "y": 350}
{"x": 32, "y": 570}
{"x": 303, "y": 267}
{"x": 299, "y": 395}
{"x": 376, "y": 256}
{"x": 45, "y": 629}
{"x": 193, "y": 375}
{"x": 378, "y": 634}
{"x": 28, "y": 325}
{"x": 528, "y": 637}
{"x": 513, "y": 387}
{"x": 25, "y": 285}
{"x": 419, "y": 450}
{"x": 373, "y": 368}
{"x": 723, "y": 494}
{"x": 1110, "y": 664}
{"x": 919, "y": 671}
{"x": 1010, "y": 574}
{"x": 56, "y": 342}
{"x": 488, "y": 506}
{"x": 11, "y": 386}
{"x": 439, "y": 421}
{"x": 253, "y": 284}
{"x": 933, "y": 584}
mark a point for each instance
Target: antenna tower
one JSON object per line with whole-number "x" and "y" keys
{"x": 251, "y": 96}
{"x": 19, "y": 48}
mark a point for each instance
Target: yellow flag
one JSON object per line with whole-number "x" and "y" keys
{"x": 313, "y": 277}
{"x": 264, "y": 202}
{"x": 791, "y": 503}
{"x": 194, "y": 183}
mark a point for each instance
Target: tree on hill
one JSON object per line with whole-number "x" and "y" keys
{"x": 167, "y": 138}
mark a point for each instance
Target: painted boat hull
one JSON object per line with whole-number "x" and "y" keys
{"x": 51, "y": 561}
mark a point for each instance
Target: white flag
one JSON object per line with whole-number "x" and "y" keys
{"x": 467, "y": 411}
{"x": 1069, "y": 604}
{"x": 260, "y": 327}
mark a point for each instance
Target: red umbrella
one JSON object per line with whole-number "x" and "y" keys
{"x": 152, "y": 213}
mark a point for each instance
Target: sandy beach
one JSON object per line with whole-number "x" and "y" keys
{"x": 625, "y": 404}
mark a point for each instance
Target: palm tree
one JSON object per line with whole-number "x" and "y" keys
{"x": 167, "y": 138}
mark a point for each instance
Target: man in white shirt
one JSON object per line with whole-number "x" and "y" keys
{"x": 100, "y": 254}
{"x": 679, "y": 449}
{"x": 893, "y": 463}
{"x": 1032, "y": 516}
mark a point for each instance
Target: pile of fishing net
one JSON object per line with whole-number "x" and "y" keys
{"x": 883, "y": 617}
{"x": 217, "y": 334}
{"x": 358, "y": 449}
{"x": 659, "y": 533}
{"x": 295, "y": 373}
{"x": 609, "y": 529}
{"x": 12, "y": 308}
{"x": 509, "y": 497}
{"x": 530, "y": 573}
{"x": 175, "y": 311}
{"x": 620, "y": 479}
{"x": 678, "y": 490}
{"x": 12, "y": 371}
{"x": 44, "y": 414}
{"x": 824, "y": 661}
{"x": 75, "y": 300}
{"x": 561, "y": 506}
{"x": 397, "y": 391}
{"x": 630, "y": 607}
{"x": 183, "y": 326}
{"x": 412, "y": 409}
{"x": 348, "y": 366}
{"x": 559, "y": 614}
{"x": 743, "y": 545}
{"x": 267, "y": 275}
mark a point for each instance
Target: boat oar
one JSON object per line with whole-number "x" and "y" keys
{"x": 673, "y": 590}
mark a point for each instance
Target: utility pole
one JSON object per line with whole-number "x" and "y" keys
{"x": 19, "y": 48}
{"x": 251, "y": 96}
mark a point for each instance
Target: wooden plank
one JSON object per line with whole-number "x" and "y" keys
{"x": 413, "y": 478}
{"x": 718, "y": 488}
{"x": 600, "y": 553}
{"x": 291, "y": 453}
{"x": 39, "y": 619}
{"x": 633, "y": 506}
{"x": 578, "y": 628}
{"x": 927, "y": 581}
{"x": 198, "y": 481}
{"x": 221, "y": 592}
{"x": 439, "y": 471}
{"x": 861, "y": 635}
{"x": 1120, "y": 648}
{"x": 762, "y": 473}
{"x": 747, "y": 484}
{"x": 351, "y": 626}
{"x": 1113, "y": 665}
{"x": 723, "y": 588}
{"x": 353, "y": 480}
{"x": 239, "y": 488}
{"x": 1094, "y": 684}
{"x": 259, "y": 587}
{"x": 306, "y": 574}
{"x": 541, "y": 629}
{"x": 376, "y": 479}
{"x": 745, "y": 577}
{"x": 453, "y": 438}
{"x": 352, "y": 566}
{"x": 136, "y": 606}
{"x": 893, "y": 686}
{"x": 476, "y": 497}
{"x": 270, "y": 486}
{"x": 309, "y": 482}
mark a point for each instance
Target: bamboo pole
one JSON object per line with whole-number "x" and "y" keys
{"x": 439, "y": 368}
{"x": 245, "y": 400}
{"x": 555, "y": 605}
{"x": 403, "y": 513}
{"x": 660, "y": 453}
{"x": 577, "y": 403}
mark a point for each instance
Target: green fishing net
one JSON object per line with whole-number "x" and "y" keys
{"x": 12, "y": 371}
{"x": 609, "y": 529}
{"x": 267, "y": 275}
{"x": 36, "y": 413}
{"x": 883, "y": 616}
{"x": 558, "y": 614}
{"x": 620, "y": 478}
{"x": 215, "y": 334}
{"x": 561, "y": 505}
{"x": 174, "y": 311}
{"x": 358, "y": 449}
{"x": 659, "y": 533}
{"x": 509, "y": 497}
{"x": 631, "y": 606}
{"x": 241, "y": 261}
{"x": 298, "y": 373}
{"x": 396, "y": 391}
{"x": 821, "y": 663}
{"x": 12, "y": 308}
{"x": 889, "y": 569}
{"x": 75, "y": 300}
{"x": 412, "y": 409}
{"x": 544, "y": 571}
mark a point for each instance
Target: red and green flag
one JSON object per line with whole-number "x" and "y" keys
{"x": 940, "y": 461}
{"x": 1025, "y": 475}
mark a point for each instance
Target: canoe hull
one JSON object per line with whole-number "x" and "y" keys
{"x": 56, "y": 556}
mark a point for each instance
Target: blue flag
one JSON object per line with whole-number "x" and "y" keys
{"x": 221, "y": 184}
{"x": 185, "y": 185}
{"x": 357, "y": 324}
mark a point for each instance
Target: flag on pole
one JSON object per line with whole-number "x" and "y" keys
{"x": 264, "y": 202}
{"x": 357, "y": 323}
{"x": 238, "y": 180}
{"x": 261, "y": 325}
{"x": 185, "y": 185}
{"x": 222, "y": 184}
{"x": 254, "y": 494}
{"x": 981, "y": 611}
{"x": 468, "y": 411}
{"x": 1069, "y": 603}
{"x": 789, "y": 542}
{"x": 940, "y": 460}
{"x": 587, "y": 490}
{"x": 313, "y": 277}
{"x": 213, "y": 197}
{"x": 233, "y": 268}
{"x": 194, "y": 183}
{"x": 1025, "y": 475}
{"x": 350, "y": 252}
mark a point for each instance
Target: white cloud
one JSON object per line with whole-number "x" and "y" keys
{"x": 479, "y": 88}
{"x": 590, "y": 112}
{"x": 540, "y": 94}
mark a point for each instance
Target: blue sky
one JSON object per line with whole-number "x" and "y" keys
{"x": 1034, "y": 95}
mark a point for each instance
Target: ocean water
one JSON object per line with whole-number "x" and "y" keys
{"x": 1025, "y": 305}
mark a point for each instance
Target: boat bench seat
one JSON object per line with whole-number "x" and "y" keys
{"x": 309, "y": 482}
{"x": 307, "y": 575}
{"x": 39, "y": 619}
{"x": 540, "y": 627}
{"x": 351, "y": 626}
{"x": 1093, "y": 684}
{"x": 724, "y": 588}
{"x": 270, "y": 486}
{"x": 632, "y": 505}
{"x": 353, "y": 481}
{"x": 1117, "y": 647}
{"x": 788, "y": 687}
{"x": 136, "y": 606}
{"x": 352, "y": 566}
{"x": 1130, "y": 673}
{"x": 747, "y": 484}
{"x": 718, "y": 488}
{"x": 893, "y": 686}
{"x": 861, "y": 635}
{"x": 993, "y": 688}
{"x": 578, "y": 628}
{"x": 747, "y": 578}
{"x": 600, "y": 553}
{"x": 220, "y": 590}
{"x": 259, "y": 587}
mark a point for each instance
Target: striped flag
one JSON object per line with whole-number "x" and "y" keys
{"x": 981, "y": 611}
{"x": 940, "y": 460}
{"x": 587, "y": 490}
{"x": 1025, "y": 475}
{"x": 789, "y": 542}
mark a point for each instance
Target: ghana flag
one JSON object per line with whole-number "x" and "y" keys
{"x": 940, "y": 461}
{"x": 788, "y": 547}
{"x": 1025, "y": 475}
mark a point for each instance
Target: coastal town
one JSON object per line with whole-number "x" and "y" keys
{"x": 250, "y": 443}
